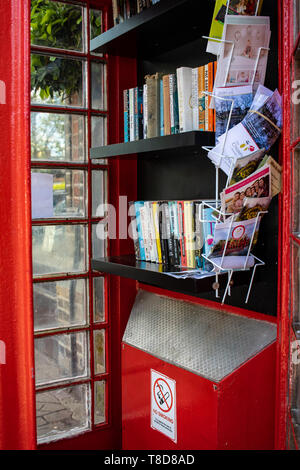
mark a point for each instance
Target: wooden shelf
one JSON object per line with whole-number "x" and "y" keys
{"x": 177, "y": 142}
{"x": 162, "y": 27}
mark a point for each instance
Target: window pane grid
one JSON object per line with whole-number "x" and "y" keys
{"x": 97, "y": 411}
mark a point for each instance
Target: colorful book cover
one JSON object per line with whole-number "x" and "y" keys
{"x": 216, "y": 29}
{"x": 189, "y": 233}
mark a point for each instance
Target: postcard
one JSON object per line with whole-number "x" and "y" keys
{"x": 256, "y": 185}
{"x": 234, "y": 237}
{"x": 244, "y": 53}
{"x": 239, "y": 99}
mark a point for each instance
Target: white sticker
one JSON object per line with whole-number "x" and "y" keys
{"x": 163, "y": 405}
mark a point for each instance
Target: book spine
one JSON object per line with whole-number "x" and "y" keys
{"x": 136, "y": 115}
{"x": 126, "y": 115}
{"x": 172, "y": 211}
{"x": 171, "y": 97}
{"x": 131, "y": 114}
{"x": 152, "y": 240}
{"x": 137, "y": 206}
{"x": 175, "y": 130}
{"x": 134, "y": 231}
{"x": 195, "y": 99}
{"x": 155, "y": 211}
{"x": 188, "y": 231}
{"x": 115, "y": 12}
{"x": 214, "y": 111}
{"x": 166, "y": 95}
{"x": 198, "y": 228}
{"x": 153, "y": 106}
{"x": 144, "y": 224}
{"x": 161, "y": 89}
{"x": 145, "y": 112}
{"x": 201, "y": 98}
{"x": 140, "y": 123}
{"x": 183, "y": 259}
{"x": 163, "y": 234}
{"x": 170, "y": 247}
{"x": 206, "y": 97}
{"x": 210, "y": 89}
{"x": 176, "y": 232}
{"x": 185, "y": 110}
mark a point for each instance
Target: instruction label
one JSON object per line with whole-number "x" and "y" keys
{"x": 163, "y": 405}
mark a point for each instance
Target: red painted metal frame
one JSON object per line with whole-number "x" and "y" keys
{"x": 107, "y": 438}
{"x": 17, "y": 402}
{"x": 287, "y": 50}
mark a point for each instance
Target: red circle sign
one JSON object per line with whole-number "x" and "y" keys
{"x": 163, "y": 395}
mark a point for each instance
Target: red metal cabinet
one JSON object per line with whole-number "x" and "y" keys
{"x": 236, "y": 411}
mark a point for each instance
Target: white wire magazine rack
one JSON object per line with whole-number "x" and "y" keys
{"x": 250, "y": 261}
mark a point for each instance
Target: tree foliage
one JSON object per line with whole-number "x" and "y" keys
{"x": 58, "y": 25}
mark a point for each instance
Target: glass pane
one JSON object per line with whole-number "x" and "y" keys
{"x": 58, "y": 193}
{"x": 57, "y": 80}
{"x": 99, "y": 416}
{"x": 61, "y": 357}
{"x": 99, "y": 243}
{"x": 55, "y": 24}
{"x": 98, "y": 131}
{"x": 99, "y": 137}
{"x": 62, "y": 413}
{"x": 295, "y": 285}
{"x": 296, "y": 191}
{"x": 99, "y": 299}
{"x": 99, "y": 351}
{"x": 58, "y": 137}
{"x": 98, "y": 85}
{"x": 60, "y": 304}
{"x": 59, "y": 249}
{"x": 99, "y": 196}
{"x": 95, "y": 23}
{"x": 296, "y": 97}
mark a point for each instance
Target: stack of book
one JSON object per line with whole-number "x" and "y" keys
{"x": 125, "y": 9}
{"x": 170, "y": 103}
{"x": 170, "y": 232}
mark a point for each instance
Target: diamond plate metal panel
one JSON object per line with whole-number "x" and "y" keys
{"x": 202, "y": 340}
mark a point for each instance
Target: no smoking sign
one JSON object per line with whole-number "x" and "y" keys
{"x": 163, "y": 405}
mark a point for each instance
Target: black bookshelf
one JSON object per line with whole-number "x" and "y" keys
{"x": 153, "y": 273}
{"x": 160, "y": 28}
{"x": 177, "y": 142}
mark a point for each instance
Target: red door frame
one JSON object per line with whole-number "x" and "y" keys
{"x": 17, "y": 401}
{"x": 287, "y": 145}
